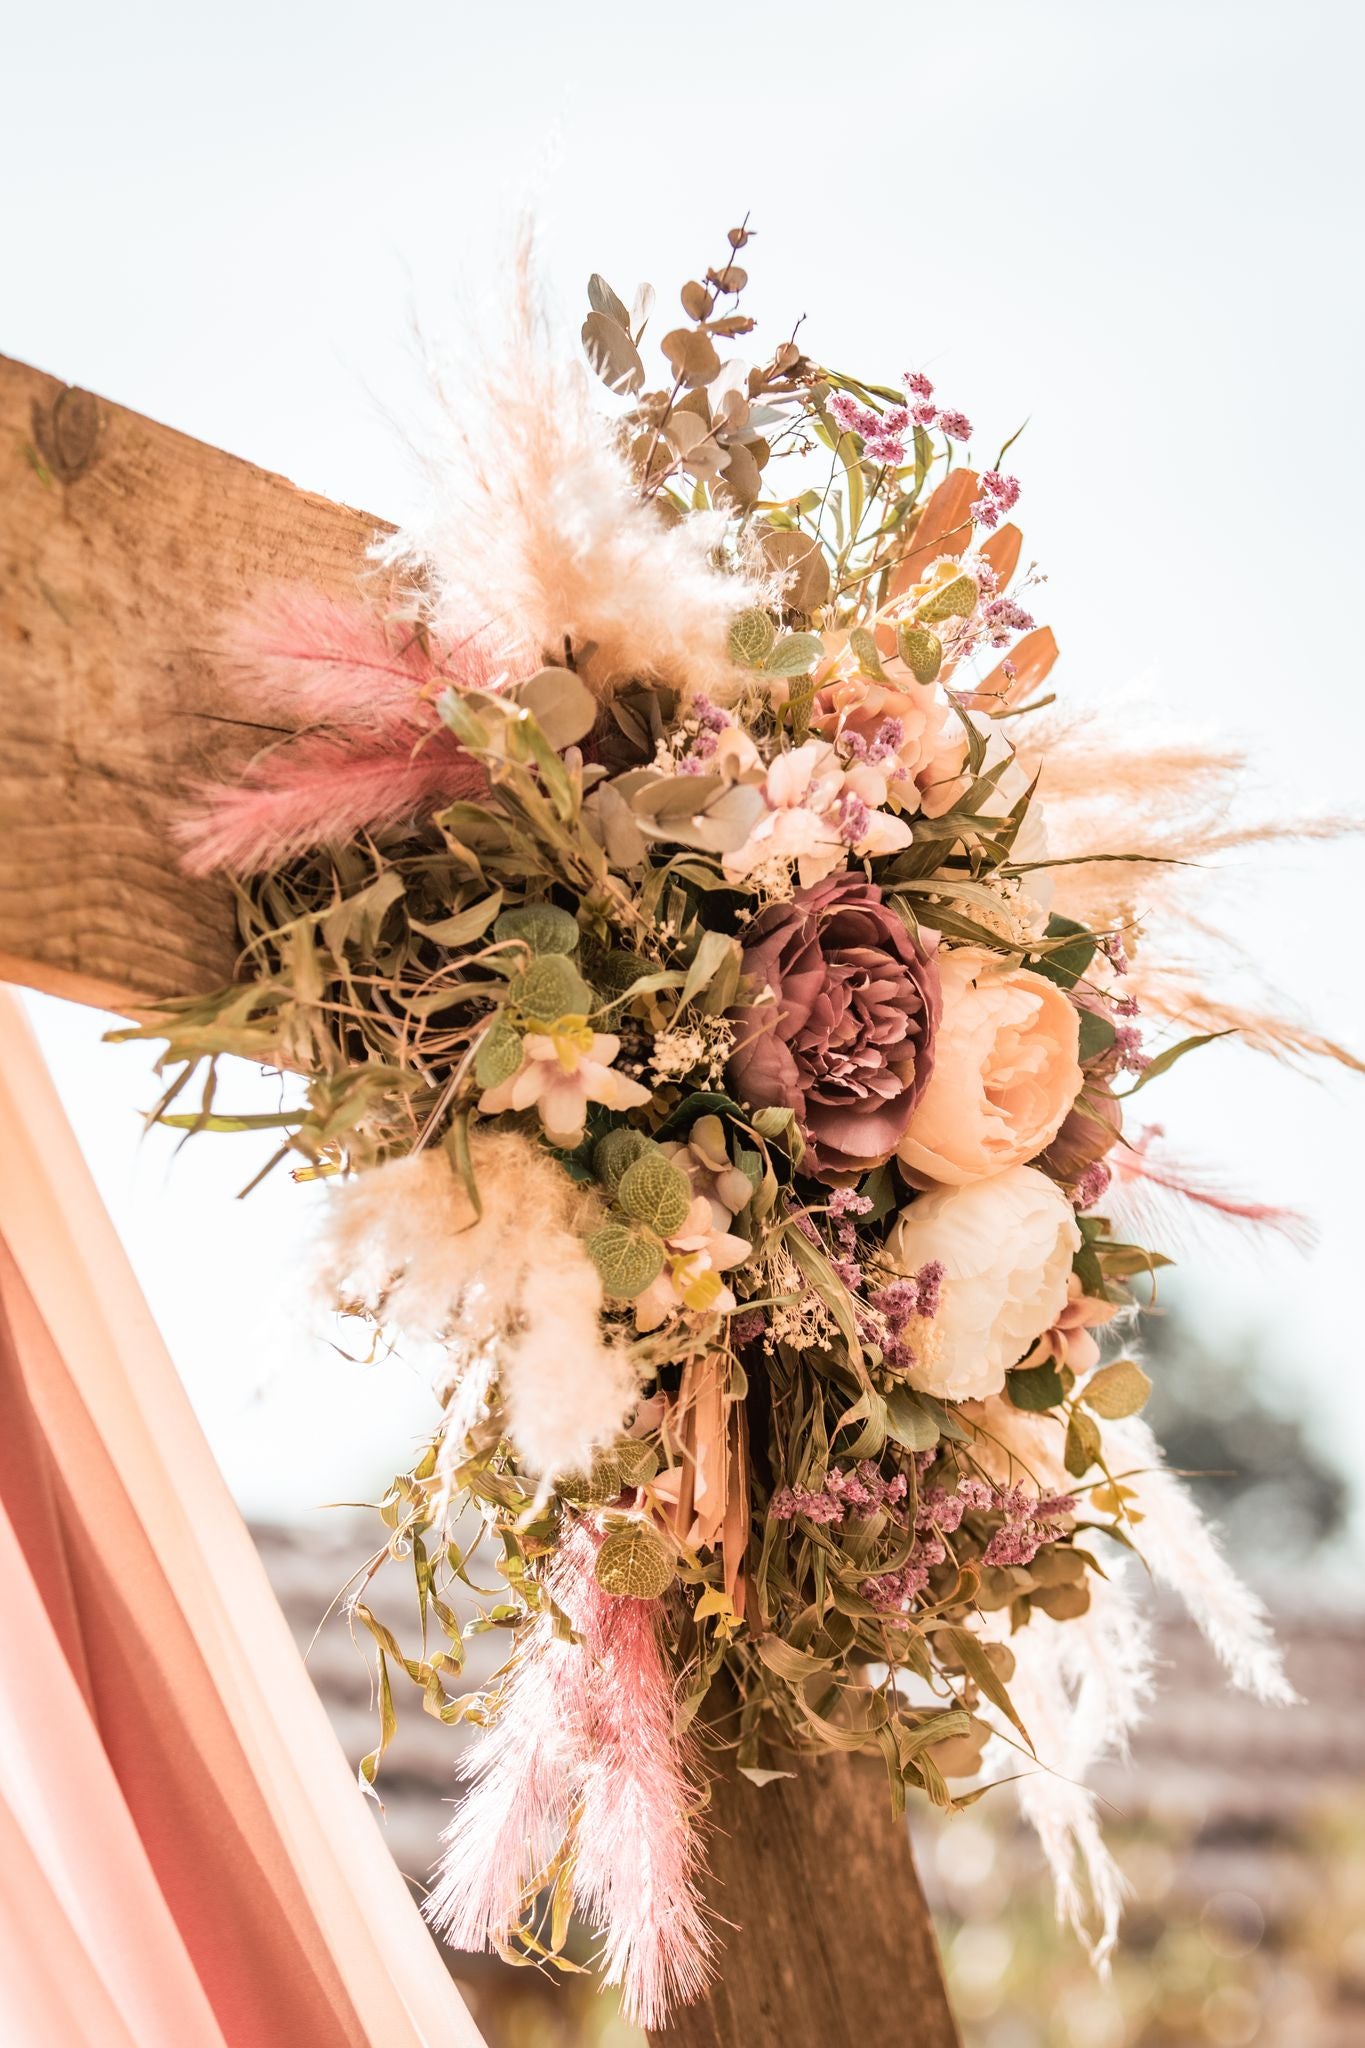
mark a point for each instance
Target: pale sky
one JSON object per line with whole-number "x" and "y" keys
{"x": 1136, "y": 227}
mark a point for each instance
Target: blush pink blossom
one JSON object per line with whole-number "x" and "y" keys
{"x": 561, "y": 1072}
{"x": 820, "y": 809}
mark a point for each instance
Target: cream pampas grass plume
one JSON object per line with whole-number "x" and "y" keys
{"x": 536, "y": 532}
{"x": 512, "y": 1284}
{"x": 1080, "y": 1687}
{"x": 1182, "y": 1552}
{"x": 584, "y": 1745}
{"x": 1142, "y": 826}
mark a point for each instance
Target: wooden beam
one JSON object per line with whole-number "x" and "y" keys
{"x": 124, "y": 549}
{"x": 827, "y": 1940}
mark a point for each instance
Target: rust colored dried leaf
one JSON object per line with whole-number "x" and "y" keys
{"x": 1002, "y": 552}
{"x": 696, "y": 300}
{"x": 945, "y": 528}
{"x": 1031, "y": 659}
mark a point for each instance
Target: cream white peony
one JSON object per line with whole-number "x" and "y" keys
{"x": 1006, "y": 1246}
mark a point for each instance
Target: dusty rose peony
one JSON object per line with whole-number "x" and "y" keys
{"x": 847, "y": 1041}
{"x": 1006, "y": 1071}
{"x": 1006, "y": 1246}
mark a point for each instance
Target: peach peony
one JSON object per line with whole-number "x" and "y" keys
{"x": 1006, "y": 1246}
{"x": 1006, "y": 1071}
{"x": 906, "y": 728}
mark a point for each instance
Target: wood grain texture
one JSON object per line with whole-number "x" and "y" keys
{"x": 124, "y": 550}
{"x": 827, "y": 1941}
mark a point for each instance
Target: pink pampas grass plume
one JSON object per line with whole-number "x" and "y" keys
{"x": 585, "y": 1739}
{"x": 1163, "y": 1201}
{"x": 508, "y": 1826}
{"x": 345, "y": 664}
{"x": 320, "y": 791}
{"x": 363, "y": 684}
{"x": 636, "y": 1867}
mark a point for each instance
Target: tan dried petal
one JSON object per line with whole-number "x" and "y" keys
{"x": 804, "y": 560}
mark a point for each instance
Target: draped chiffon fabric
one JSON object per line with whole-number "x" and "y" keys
{"x": 185, "y": 1858}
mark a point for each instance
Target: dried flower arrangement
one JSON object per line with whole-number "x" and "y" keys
{"x": 721, "y": 980}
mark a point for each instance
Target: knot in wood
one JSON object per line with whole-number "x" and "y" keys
{"x": 67, "y": 432}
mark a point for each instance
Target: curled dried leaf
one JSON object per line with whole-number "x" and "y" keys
{"x": 612, "y": 353}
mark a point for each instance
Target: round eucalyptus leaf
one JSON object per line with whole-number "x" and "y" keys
{"x": 626, "y": 1260}
{"x": 544, "y": 927}
{"x": 550, "y": 988}
{"x": 921, "y": 651}
{"x": 635, "y": 1564}
{"x": 655, "y": 1192}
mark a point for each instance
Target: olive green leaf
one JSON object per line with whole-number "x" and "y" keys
{"x": 499, "y": 1056}
{"x": 1037, "y": 1389}
{"x": 593, "y": 1489}
{"x": 1065, "y": 964}
{"x": 637, "y": 1462}
{"x": 956, "y": 600}
{"x": 548, "y": 989}
{"x": 1117, "y": 1390}
{"x": 751, "y": 638}
{"x": 921, "y": 651}
{"x": 865, "y": 654}
{"x": 1082, "y": 1443}
{"x": 795, "y": 655}
{"x": 635, "y": 1563}
{"x": 655, "y": 1192}
{"x": 541, "y": 926}
{"x": 626, "y": 1260}
{"x": 909, "y": 1421}
{"x": 616, "y": 1151}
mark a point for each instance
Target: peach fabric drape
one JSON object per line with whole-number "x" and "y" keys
{"x": 185, "y": 1859}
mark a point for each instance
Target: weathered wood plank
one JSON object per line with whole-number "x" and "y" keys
{"x": 124, "y": 547}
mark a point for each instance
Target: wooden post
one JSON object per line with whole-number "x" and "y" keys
{"x": 124, "y": 549}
